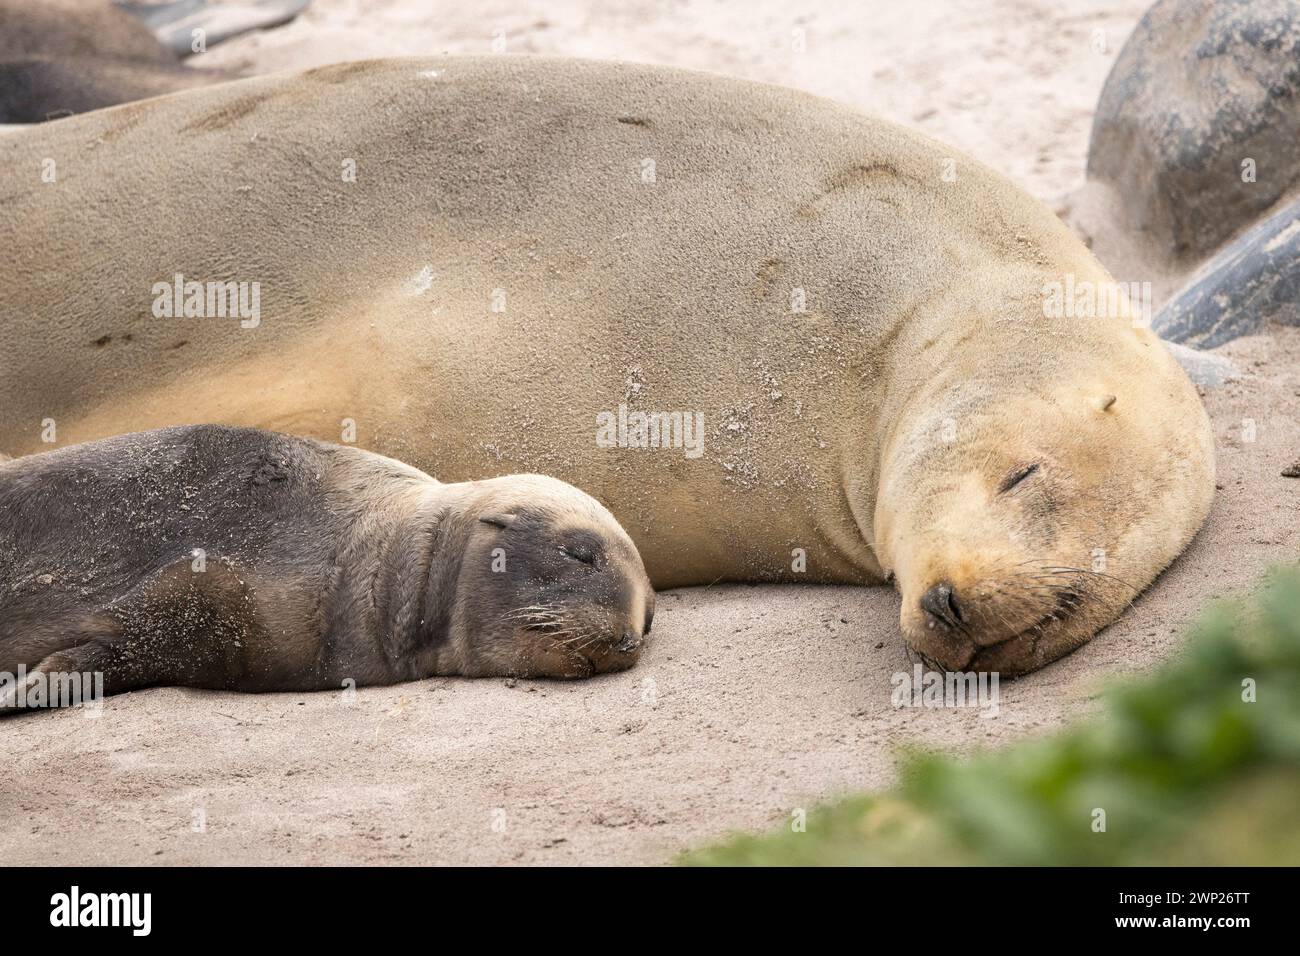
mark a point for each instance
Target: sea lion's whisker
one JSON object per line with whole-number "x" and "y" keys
{"x": 1096, "y": 574}
{"x": 532, "y": 610}
{"x": 578, "y": 636}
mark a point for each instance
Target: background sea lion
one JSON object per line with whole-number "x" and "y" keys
{"x": 36, "y": 89}
{"x": 240, "y": 559}
{"x": 483, "y": 261}
{"x": 59, "y": 57}
{"x": 174, "y": 22}
{"x": 1252, "y": 284}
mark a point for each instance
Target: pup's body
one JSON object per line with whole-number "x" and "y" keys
{"x": 241, "y": 559}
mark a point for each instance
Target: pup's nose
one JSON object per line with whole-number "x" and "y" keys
{"x": 630, "y": 642}
{"x": 940, "y": 606}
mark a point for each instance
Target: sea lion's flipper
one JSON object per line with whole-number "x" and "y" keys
{"x": 18, "y": 687}
{"x": 91, "y": 667}
{"x": 158, "y": 15}
{"x": 174, "y": 24}
{"x": 186, "y": 624}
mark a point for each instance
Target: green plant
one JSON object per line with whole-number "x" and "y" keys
{"x": 1208, "y": 746}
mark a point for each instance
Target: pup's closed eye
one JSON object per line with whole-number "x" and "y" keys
{"x": 578, "y": 554}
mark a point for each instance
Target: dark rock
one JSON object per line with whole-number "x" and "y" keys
{"x": 1203, "y": 368}
{"x": 1199, "y": 88}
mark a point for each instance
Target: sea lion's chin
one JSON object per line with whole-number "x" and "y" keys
{"x": 984, "y": 649}
{"x": 551, "y": 658}
{"x": 556, "y": 654}
{"x": 1010, "y": 626}
{"x": 575, "y": 655}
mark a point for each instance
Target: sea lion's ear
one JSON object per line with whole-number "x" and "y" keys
{"x": 1105, "y": 402}
{"x": 500, "y": 519}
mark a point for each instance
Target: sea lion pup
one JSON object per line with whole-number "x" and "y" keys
{"x": 239, "y": 559}
{"x": 781, "y": 340}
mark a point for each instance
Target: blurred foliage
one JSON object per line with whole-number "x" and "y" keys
{"x": 1186, "y": 768}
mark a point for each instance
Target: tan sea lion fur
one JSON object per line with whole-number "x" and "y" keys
{"x": 530, "y": 243}
{"x": 240, "y": 559}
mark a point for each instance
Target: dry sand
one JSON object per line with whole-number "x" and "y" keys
{"x": 752, "y": 701}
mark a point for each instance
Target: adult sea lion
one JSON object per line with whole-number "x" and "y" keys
{"x": 782, "y": 340}
{"x": 240, "y": 559}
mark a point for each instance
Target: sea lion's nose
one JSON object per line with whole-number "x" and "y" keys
{"x": 941, "y": 607}
{"x": 630, "y": 642}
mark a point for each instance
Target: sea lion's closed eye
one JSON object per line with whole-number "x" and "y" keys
{"x": 1016, "y": 477}
{"x": 577, "y": 553}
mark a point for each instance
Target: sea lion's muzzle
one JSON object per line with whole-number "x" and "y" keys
{"x": 992, "y": 625}
{"x": 618, "y": 652}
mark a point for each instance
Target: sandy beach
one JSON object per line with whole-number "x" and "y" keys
{"x": 751, "y": 701}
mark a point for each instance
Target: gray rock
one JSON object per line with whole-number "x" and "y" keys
{"x": 1253, "y": 282}
{"x": 1198, "y": 88}
{"x": 1203, "y": 368}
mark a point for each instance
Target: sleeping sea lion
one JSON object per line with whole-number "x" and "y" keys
{"x": 240, "y": 559}
{"x": 783, "y": 341}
